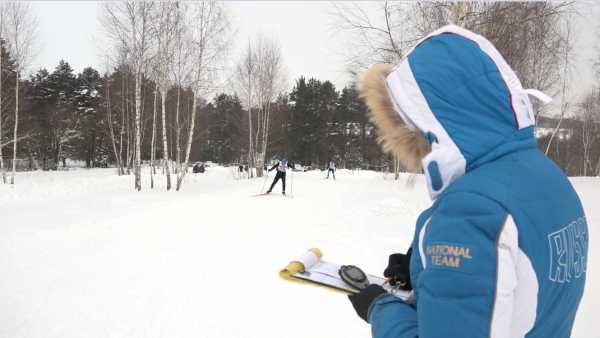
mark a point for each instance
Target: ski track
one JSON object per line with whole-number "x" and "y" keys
{"x": 84, "y": 255}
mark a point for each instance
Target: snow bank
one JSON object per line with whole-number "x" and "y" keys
{"x": 84, "y": 255}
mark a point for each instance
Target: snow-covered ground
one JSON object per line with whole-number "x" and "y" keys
{"x": 84, "y": 255}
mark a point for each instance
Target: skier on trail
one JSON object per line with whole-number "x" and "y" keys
{"x": 331, "y": 169}
{"x": 282, "y": 167}
{"x": 502, "y": 252}
{"x": 198, "y": 168}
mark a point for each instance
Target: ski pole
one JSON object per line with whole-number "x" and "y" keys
{"x": 264, "y": 182}
{"x": 291, "y": 183}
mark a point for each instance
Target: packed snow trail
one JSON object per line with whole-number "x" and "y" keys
{"x": 83, "y": 254}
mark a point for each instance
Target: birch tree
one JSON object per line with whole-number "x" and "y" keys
{"x": 163, "y": 35}
{"x": 244, "y": 84}
{"x": 153, "y": 140}
{"x": 209, "y": 37}
{"x": 128, "y": 25}
{"x": 565, "y": 82}
{"x": 590, "y": 129}
{"x": 21, "y": 26}
{"x": 381, "y": 32}
{"x": 527, "y": 34}
{"x": 2, "y": 38}
{"x": 180, "y": 70}
{"x": 109, "y": 114}
{"x": 270, "y": 82}
{"x": 259, "y": 79}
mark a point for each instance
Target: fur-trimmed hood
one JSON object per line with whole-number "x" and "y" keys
{"x": 406, "y": 144}
{"x": 447, "y": 106}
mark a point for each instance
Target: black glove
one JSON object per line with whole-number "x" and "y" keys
{"x": 362, "y": 301}
{"x": 398, "y": 270}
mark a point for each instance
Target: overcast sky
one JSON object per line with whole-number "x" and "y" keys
{"x": 310, "y": 43}
{"x": 72, "y": 31}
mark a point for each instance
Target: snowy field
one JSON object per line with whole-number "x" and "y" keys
{"x": 84, "y": 255}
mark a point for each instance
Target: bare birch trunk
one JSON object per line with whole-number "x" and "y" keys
{"x": 152, "y": 151}
{"x": 257, "y": 148}
{"x": 265, "y": 135}
{"x": 142, "y": 126}
{"x": 257, "y": 145}
{"x": 163, "y": 96}
{"x": 122, "y": 166}
{"x": 178, "y": 133}
{"x": 110, "y": 126}
{"x": 250, "y": 150}
{"x": 250, "y": 141}
{"x": 555, "y": 131}
{"x": 14, "y": 164}
{"x": 188, "y": 147}
{"x": 564, "y": 104}
{"x": 585, "y": 153}
{"x": 138, "y": 107}
{"x": 127, "y": 126}
{"x": 1, "y": 156}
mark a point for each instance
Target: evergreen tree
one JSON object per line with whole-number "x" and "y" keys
{"x": 37, "y": 119}
{"x": 313, "y": 105}
{"x": 356, "y": 136}
{"x": 223, "y": 130}
{"x": 8, "y": 105}
{"x": 89, "y": 143}
{"x": 327, "y": 105}
{"x": 63, "y": 117}
{"x": 280, "y": 127}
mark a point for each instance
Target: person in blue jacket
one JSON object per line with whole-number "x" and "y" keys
{"x": 502, "y": 251}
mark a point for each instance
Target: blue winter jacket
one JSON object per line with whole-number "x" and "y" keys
{"x": 502, "y": 252}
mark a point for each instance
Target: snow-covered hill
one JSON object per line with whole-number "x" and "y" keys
{"x": 84, "y": 255}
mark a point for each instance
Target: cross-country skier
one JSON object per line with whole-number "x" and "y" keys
{"x": 331, "y": 169}
{"x": 282, "y": 167}
{"x": 502, "y": 252}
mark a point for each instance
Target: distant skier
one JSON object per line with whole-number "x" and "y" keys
{"x": 198, "y": 168}
{"x": 282, "y": 167}
{"x": 503, "y": 249}
{"x": 331, "y": 169}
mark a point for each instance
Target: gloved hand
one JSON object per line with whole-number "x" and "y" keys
{"x": 363, "y": 300}
{"x": 398, "y": 270}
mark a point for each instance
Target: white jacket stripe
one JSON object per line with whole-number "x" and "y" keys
{"x": 515, "y": 301}
{"x": 412, "y": 107}
{"x": 421, "y": 238}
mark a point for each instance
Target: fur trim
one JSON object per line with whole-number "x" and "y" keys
{"x": 408, "y": 146}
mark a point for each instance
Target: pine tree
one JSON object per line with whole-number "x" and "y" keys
{"x": 40, "y": 100}
{"x": 63, "y": 117}
{"x": 88, "y": 145}
{"x": 280, "y": 127}
{"x": 223, "y": 129}
{"x": 313, "y": 104}
{"x": 6, "y": 105}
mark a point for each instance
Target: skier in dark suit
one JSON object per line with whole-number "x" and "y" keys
{"x": 331, "y": 169}
{"x": 282, "y": 167}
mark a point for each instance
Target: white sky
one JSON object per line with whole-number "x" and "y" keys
{"x": 310, "y": 43}
{"x": 67, "y": 30}
{"x": 71, "y": 30}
